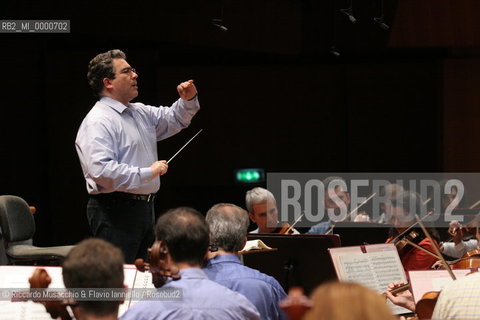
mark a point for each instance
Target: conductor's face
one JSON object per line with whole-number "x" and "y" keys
{"x": 124, "y": 86}
{"x": 265, "y": 215}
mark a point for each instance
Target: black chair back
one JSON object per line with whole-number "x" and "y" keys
{"x": 16, "y": 219}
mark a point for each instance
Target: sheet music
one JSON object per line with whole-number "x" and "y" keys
{"x": 375, "y": 268}
{"x": 28, "y": 310}
{"x": 129, "y": 273}
{"x": 143, "y": 280}
{"x": 423, "y": 281}
{"x": 357, "y": 268}
{"x": 17, "y": 277}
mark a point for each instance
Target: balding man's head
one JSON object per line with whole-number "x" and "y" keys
{"x": 228, "y": 225}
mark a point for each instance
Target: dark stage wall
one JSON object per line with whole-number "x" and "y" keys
{"x": 288, "y": 108}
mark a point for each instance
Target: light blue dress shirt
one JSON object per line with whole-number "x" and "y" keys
{"x": 262, "y": 290}
{"x": 118, "y": 144}
{"x": 202, "y": 299}
{"x": 320, "y": 228}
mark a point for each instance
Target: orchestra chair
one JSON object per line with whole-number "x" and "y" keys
{"x": 3, "y": 255}
{"x": 18, "y": 227}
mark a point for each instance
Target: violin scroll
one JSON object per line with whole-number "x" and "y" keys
{"x": 158, "y": 266}
{"x": 40, "y": 279}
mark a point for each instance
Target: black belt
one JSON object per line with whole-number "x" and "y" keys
{"x": 124, "y": 195}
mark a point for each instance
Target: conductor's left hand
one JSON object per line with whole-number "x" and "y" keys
{"x": 187, "y": 90}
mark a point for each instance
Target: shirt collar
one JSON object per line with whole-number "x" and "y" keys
{"x": 190, "y": 273}
{"x": 224, "y": 258}
{"x": 114, "y": 104}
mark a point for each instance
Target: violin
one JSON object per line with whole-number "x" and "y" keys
{"x": 158, "y": 265}
{"x": 409, "y": 239}
{"x": 404, "y": 244}
{"x": 470, "y": 260}
{"x": 425, "y": 306}
{"x": 409, "y": 242}
{"x": 286, "y": 228}
{"x": 465, "y": 232}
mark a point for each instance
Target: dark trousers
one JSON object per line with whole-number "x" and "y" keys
{"x": 126, "y": 223}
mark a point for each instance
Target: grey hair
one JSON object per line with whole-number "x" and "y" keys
{"x": 257, "y": 195}
{"x": 228, "y": 225}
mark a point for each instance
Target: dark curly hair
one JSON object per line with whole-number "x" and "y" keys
{"x": 101, "y": 67}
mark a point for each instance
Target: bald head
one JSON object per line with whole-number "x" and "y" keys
{"x": 228, "y": 226}
{"x": 185, "y": 233}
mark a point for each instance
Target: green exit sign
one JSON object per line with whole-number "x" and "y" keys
{"x": 250, "y": 175}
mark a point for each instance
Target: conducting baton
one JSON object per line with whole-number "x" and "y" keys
{"x": 184, "y": 146}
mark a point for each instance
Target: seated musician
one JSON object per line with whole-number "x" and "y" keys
{"x": 183, "y": 237}
{"x": 345, "y": 301}
{"x": 403, "y": 299}
{"x": 449, "y": 196}
{"x": 336, "y": 185}
{"x": 458, "y": 247}
{"x": 94, "y": 263}
{"x": 403, "y": 210}
{"x": 228, "y": 226}
{"x": 262, "y": 210}
{"x": 389, "y": 193}
{"x": 459, "y": 300}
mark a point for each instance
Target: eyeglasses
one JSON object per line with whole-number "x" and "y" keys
{"x": 128, "y": 70}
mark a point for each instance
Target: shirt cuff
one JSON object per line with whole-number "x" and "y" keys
{"x": 146, "y": 174}
{"x": 191, "y": 104}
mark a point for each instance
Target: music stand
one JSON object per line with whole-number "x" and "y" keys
{"x": 300, "y": 260}
{"x": 359, "y": 233}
